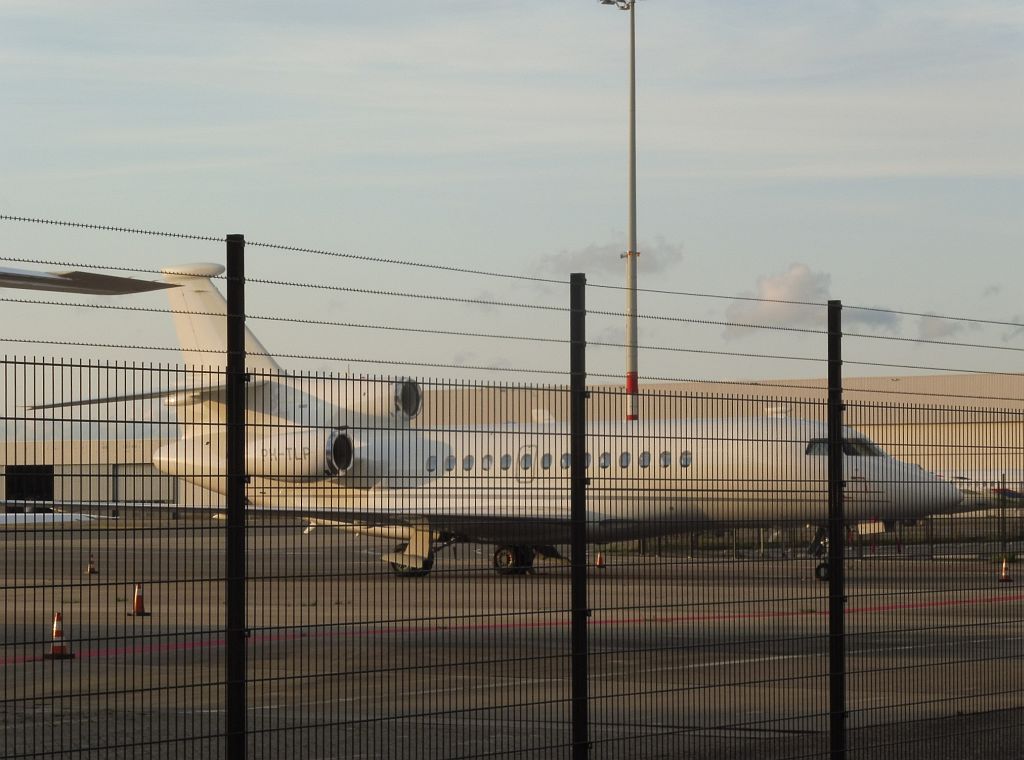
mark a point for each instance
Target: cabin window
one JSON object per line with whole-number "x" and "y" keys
{"x": 526, "y": 461}
{"x": 468, "y": 461}
{"x": 605, "y": 460}
{"x": 431, "y": 463}
{"x": 487, "y": 462}
{"x": 665, "y": 458}
{"x": 545, "y": 461}
{"x": 685, "y": 459}
{"x": 587, "y": 461}
{"x": 566, "y": 461}
{"x": 645, "y": 459}
{"x": 624, "y": 459}
{"x": 449, "y": 462}
{"x": 506, "y": 461}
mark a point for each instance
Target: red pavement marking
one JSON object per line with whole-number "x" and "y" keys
{"x": 179, "y": 646}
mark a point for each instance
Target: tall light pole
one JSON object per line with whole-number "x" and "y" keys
{"x": 631, "y": 255}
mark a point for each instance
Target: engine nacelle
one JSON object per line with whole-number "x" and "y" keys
{"x": 399, "y": 399}
{"x": 303, "y": 453}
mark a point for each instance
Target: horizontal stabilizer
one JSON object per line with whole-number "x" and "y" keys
{"x": 173, "y": 396}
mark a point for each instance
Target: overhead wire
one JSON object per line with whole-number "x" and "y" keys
{"x": 511, "y": 369}
{"x": 439, "y": 267}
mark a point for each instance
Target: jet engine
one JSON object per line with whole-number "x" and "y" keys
{"x": 303, "y": 453}
{"x": 399, "y": 399}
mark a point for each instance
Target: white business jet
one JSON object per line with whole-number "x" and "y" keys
{"x": 349, "y": 453}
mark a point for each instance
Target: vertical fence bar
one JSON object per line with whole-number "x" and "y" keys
{"x": 836, "y": 537}
{"x": 234, "y": 549}
{"x": 578, "y": 510}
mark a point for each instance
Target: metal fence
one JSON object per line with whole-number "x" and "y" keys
{"x": 221, "y": 559}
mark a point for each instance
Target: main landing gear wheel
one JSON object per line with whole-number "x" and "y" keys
{"x": 821, "y": 571}
{"x": 407, "y": 571}
{"x": 513, "y": 560}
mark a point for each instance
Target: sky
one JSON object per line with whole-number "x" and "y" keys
{"x": 864, "y": 151}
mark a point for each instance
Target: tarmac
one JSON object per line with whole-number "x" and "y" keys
{"x": 712, "y": 657}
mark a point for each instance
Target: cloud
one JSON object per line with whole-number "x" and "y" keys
{"x": 465, "y": 357}
{"x": 612, "y": 334}
{"x": 930, "y": 327}
{"x": 1014, "y": 333}
{"x": 796, "y": 298}
{"x": 866, "y": 316}
{"x": 798, "y": 283}
{"x": 483, "y": 301}
{"x": 606, "y": 259}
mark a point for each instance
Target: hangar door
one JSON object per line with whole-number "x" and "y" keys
{"x": 28, "y": 482}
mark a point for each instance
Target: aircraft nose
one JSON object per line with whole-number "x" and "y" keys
{"x": 918, "y": 493}
{"x": 951, "y": 496}
{"x": 933, "y": 494}
{"x": 946, "y": 496}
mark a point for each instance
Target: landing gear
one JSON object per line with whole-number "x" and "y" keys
{"x": 410, "y": 571}
{"x": 819, "y": 549}
{"x": 819, "y": 544}
{"x": 513, "y": 560}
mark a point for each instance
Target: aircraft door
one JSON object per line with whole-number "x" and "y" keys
{"x": 862, "y": 490}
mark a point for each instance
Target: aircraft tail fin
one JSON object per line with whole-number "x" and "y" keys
{"x": 199, "y": 319}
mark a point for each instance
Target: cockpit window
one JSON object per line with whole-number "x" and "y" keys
{"x": 862, "y": 447}
{"x": 818, "y": 447}
{"x": 852, "y": 447}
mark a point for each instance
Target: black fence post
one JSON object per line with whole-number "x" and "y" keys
{"x": 836, "y": 537}
{"x": 234, "y": 549}
{"x": 578, "y": 510}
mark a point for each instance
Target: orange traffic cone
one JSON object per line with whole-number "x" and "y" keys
{"x": 138, "y": 606}
{"x": 599, "y": 561}
{"x": 1004, "y": 576}
{"x": 58, "y": 649}
{"x": 90, "y": 566}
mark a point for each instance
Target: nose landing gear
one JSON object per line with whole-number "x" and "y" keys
{"x": 819, "y": 549}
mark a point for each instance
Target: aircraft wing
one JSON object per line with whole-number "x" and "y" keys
{"x": 36, "y": 519}
{"x": 175, "y": 396}
{"x": 88, "y": 283}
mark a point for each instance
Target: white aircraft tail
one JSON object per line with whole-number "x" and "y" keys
{"x": 199, "y": 319}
